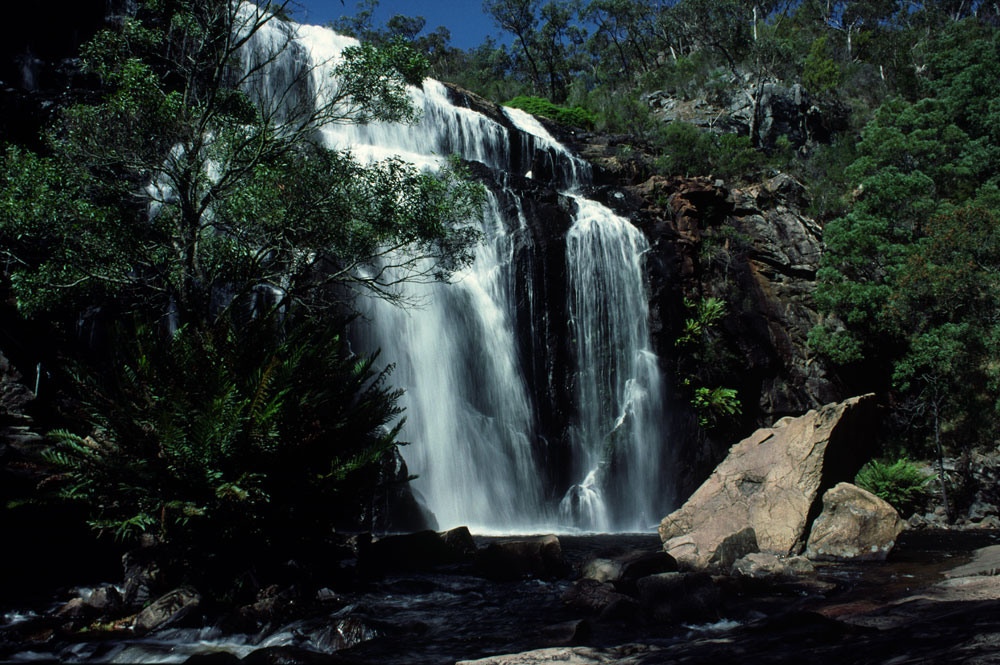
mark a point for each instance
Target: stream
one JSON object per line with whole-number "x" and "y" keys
{"x": 450, "y": 614}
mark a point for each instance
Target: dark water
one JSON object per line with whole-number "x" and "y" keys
{"x": 451, "y": 615}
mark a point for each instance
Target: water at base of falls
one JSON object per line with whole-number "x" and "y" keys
{"x": 476, "y": 443}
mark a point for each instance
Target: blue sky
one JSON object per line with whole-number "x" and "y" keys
{"x": 464, "y": 18}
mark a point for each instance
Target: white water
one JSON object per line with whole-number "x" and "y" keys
{"x": 471, "y": 421}
{"x": 619, "y": 430}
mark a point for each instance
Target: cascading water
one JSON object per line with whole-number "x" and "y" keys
{"x": 618, "y": 431}
{"x": 477, "y": 445}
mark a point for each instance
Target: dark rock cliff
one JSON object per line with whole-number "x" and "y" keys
{"x": 751, "y": 246}
{"x": 754, "y": 249}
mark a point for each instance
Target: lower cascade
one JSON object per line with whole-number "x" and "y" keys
{"x": 486, "y": 449}
{"x": 618, "y": 429}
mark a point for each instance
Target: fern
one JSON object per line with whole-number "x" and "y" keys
{"x": 901, "y": 483}
{"x": 228, "y": 439}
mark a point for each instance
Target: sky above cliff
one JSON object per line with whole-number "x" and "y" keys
{"x": 464, "y": 18}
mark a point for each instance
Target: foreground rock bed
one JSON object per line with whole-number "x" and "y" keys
{"x": 584, "y": 599}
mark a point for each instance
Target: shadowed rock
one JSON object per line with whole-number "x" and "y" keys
{"x": 167, "y": 610}
{"x": 855, "y": 525}
{"x": 517, "y": 559}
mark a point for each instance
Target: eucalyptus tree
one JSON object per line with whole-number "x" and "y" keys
{"x": 196, "y": 174}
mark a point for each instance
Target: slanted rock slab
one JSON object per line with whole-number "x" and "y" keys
{"x": 855, "y": 525}
{"x": 985, "y": 561}
{"x": 627, "y": 654}
{"x": 769, "y": 484}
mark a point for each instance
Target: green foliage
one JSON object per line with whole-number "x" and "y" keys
{"x": 227, "y": 440}
{"x": 910, "y": 269}
{"x": 687, "y": 150}
{"x": 902, "y": 483}
{"x": 174, "y": 186}
{"x": 576, "y": 116}
{"x": 715, "y": 404}
{"x": 188, "y": 195}
{"x": 705, "y": 314}
{"x": 684, "y": 150}
{"x": 820, "y": 73}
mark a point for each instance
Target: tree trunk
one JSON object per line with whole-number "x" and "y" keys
{"x": 940, "y": 454}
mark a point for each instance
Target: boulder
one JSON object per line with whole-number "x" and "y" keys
{"x": 768, "y": 486}
{"x": 76, "y": 611}
{"x": 674, "y": 597}
{"x": 764, "y": 567}
{"x": 599, "y": 598}
{"x": 144, "y": 577}
{"x": 167, "y": 610}
{"x": 396, "y": 506}
{"x": 626, "y": 654}
{"x": 105, "y": 599}
{"x": 624, "y": 569}
{"x": 516, "y": 559}
{"x": 567, "y": 633}
{"x": 855, "y": 525}
{"x": 460, "y": 541}
{"x": 417, "y": 551}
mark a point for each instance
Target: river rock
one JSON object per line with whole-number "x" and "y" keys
{"x": 567, "y": 633}
{"x": 769, "y": 483}
{"x": 855, "y": 525}
{"x": 762, "y": 566}
{"x": 673, "y": 597}
{"x": 105, "y": 599}
{"x": 600, "y": 598}
{"x": 76, "y": 610}
{"x": 144, "y": 577}
{"x": 167, "y": 610}
{"x": 626, "y": 654}
{"x": 624, "y": 569}
{"x": 516, "y": 559}
{"x": 985, "y": 561}
{"x": 421, "y": 550}
{"x": 460, "y": 541}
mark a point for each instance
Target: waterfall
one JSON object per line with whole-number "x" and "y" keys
{"x": 480, "y": 439}
{"x": 618, "y": 431}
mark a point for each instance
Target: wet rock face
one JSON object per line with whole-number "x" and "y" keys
{"x": 14, "y": 393}
{"x": 754, "y": 249}
{"x": 768, "y": 486}
{"x": 855, "y": 525}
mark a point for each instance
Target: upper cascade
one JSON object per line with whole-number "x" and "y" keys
{"x": 480, "y": 446}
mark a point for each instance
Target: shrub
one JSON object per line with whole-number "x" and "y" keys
{"x": 232, "y": 445}
{"x": 575, "y": 116}
{"x": 820, "y": 73}
{"x": 715, "y": 404}
{"x": 902, "y": 483}
{"x": 689, "y": 151}
{"x": 685, "y": 150}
